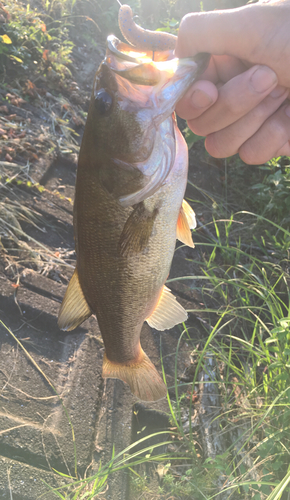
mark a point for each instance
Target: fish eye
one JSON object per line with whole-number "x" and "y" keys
{"x": 103, "y": 101}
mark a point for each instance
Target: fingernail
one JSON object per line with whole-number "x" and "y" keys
{"x": 277, "y": 92}
{"x": 263, "y": 78}
{"x": 287, "y": 111}
{"x": 200, "y": 99}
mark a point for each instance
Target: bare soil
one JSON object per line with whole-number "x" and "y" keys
{"x": 40, "y": 138}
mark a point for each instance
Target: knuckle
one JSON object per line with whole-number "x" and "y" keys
{"x": 259, "y": 113}
{"x": 253, "y": 152}
{"x": 197, "y": 127}
{"x": 235, "y": 107}
{"x": 278, "y": 130}
{"x": 214, "y": 146}
{"x": 250, "y": 155}
{"x": 285, "y": 150}
{"x": 185, "y": 29}
{"x": 187, "y": 23}
{"x": 181, "y": 111}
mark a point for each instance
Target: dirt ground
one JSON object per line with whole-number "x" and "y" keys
{"x": 39, "y": 145}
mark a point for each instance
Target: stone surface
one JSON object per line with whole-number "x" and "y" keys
{"x": 34, "y": 428}
{"x": 78, "y": 428}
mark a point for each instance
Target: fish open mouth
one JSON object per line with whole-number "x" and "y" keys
{"x": 137, "y": 67}
{"x": 149, "y": 85}
{"x": 133, "y": 54}
{"x": 147, "y": 67}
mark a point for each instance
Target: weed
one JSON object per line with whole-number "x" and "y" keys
{"x": 33, "y": 43}
{"x": 248, "y": 325}
{"x": 273, "y": 192}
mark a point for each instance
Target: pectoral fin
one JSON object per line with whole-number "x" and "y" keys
{"x": 137, "y": 230}
{"x": 74, "y": 308}
{"x": 167, "y": 313}
{"x": 186, "y": 222}
{"x": 189, "y": 213}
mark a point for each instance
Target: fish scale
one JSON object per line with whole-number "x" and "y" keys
{"x": 129, "y": 210}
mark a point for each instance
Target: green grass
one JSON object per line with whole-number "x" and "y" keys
{"x": 246, "y": 331}
{"x": 248, "y": 334}
{"x": 249, "y": 340}
{"x": 244, "y": 282}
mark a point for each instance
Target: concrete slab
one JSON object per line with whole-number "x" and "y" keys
{"x": 35, "y": 433}
{"x": 20, "y": 481}
{"x": 34, "y": 426}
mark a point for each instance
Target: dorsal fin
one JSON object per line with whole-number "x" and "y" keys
{"x": 186, "y": 222}
{"x": 167, "y": 313}
{"x": 74, "y": 308}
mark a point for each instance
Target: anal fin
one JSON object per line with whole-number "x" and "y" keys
{"x": 141, "y": 376}
{"x": 167, "y": 313}
{"x": 186, "y": 222}
{"x": 74, "y": 308}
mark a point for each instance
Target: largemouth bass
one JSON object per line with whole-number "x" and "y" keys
{"x": 129, "y": 208}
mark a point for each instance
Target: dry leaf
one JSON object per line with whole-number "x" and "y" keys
{"x": 77, "y": 121}
{"x": 29, "y": 146}
{"x": 4, "y": 109}
{"x": 30, "y": 89}
{"x": 17, "y": 101}
{"x": 45, "y": 54}
{"x": 21, "y": 135}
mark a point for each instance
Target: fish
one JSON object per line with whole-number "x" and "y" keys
{"x": 129, "y": 208}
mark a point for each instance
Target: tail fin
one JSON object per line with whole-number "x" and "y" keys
{"x": 141, "y": 376}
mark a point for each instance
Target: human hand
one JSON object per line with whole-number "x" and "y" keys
{"x": 240, "y": 109}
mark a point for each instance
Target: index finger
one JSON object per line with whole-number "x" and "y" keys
{"x": 237, "y": 97}
{"x": 197, "y": 99}
{"x": 203, "y": 93}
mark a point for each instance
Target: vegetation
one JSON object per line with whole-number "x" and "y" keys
{"x": 244, "y": 272}
{"x": 247, "y": 334}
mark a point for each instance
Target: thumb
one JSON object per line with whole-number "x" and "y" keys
{"x": 232, "y": 32}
